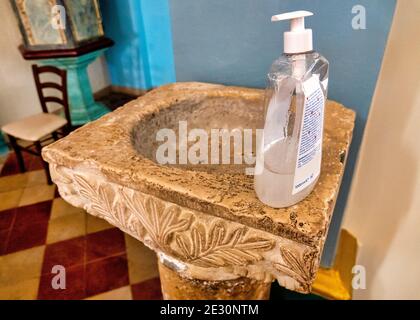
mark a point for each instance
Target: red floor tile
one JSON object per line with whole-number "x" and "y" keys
{"x": 3, "y": 241}
{"x": 6, "y": 223}
{"x": 75, "y": 285}
{"x": 10, "y": 166}
{"x": 106, "y": 274}
{"x": 104, "y": 244}
{"x": 27, "y": 236}
{"x": 6, "y": 219}
{"x": 35, "y": 163}
{"x": 29, "y": 228}
{"x": 38, "y": 212}
{"x": 67, "y": 253}
{"x": 147, "y": 290}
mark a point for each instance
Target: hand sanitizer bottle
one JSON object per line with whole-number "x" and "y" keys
{"x": 289, "y": 155}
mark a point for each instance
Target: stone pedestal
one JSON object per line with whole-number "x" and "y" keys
{"x": 176, "y": 287}
{"x": 214, "y": 237}
{"x": 83, "y": 107}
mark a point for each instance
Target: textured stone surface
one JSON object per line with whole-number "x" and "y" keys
{"x": 108, "y": 168}
{"x": 176, "y": 287}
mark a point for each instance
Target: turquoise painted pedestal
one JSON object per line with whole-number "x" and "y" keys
{"x": 3, "y": 146}
{"x": 83, "y": 107}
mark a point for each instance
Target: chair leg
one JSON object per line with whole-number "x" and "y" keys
{"x": 18, "y": 153}
{"x": 45, "y": 164}
{"x": 67, "y": 129}
{"x": 54, "y": 135}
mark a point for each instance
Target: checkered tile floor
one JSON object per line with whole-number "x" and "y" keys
{"x": 38, "y": 230}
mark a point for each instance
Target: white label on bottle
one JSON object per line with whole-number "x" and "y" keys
{"x": 308, "y": 163}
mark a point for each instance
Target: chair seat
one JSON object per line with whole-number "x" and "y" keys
{"x": 35, "y": 127}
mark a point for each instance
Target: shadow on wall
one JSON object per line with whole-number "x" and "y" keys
{"x": 384, "y": 204}
{"x": 142, "y": 57}
{"x": 121, "y": 23}
{"x": 394, "y": 193}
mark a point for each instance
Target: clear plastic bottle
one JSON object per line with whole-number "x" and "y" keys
{"x": 289, "y": 158}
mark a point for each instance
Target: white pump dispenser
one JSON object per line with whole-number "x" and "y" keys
{"x": 289, "y": 155}
{"x": 298, "y": 39}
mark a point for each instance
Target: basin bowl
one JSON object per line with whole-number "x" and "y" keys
{"x": 229, "y": 113}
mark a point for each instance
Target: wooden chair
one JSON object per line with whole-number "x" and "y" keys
{"x": 41, "y": 129}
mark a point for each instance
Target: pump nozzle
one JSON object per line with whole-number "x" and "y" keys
{"x": 298, "y": 39}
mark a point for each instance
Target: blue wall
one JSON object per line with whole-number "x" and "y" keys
{"x": 234, "y": 42}
{"x": 142, "y": 56}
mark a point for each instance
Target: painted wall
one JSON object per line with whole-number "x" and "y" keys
{"x": 383, "y": 209}
{"x": 142, "y": 57}
{"x": 233, "y": 42}
{"x": 18, "y": 97}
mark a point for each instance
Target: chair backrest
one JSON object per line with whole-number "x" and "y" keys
{"x": 62, "y": 87}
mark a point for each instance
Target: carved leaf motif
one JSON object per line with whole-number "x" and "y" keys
{"x": 125, "y": 220}
{"x": 101, "y": 199}
{"x": 218, "y": 247}
{"x": 207, "y": 245}
{"x": 299, "y": 267}
{"x": 100, "y": 202}
{"x": 160, "y": 221}
{"x": 150, "y": 218}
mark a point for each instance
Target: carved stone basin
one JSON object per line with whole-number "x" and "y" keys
{"x": 204, "y": 221}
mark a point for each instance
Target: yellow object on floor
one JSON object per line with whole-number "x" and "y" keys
{"x": 335, "y": 283}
